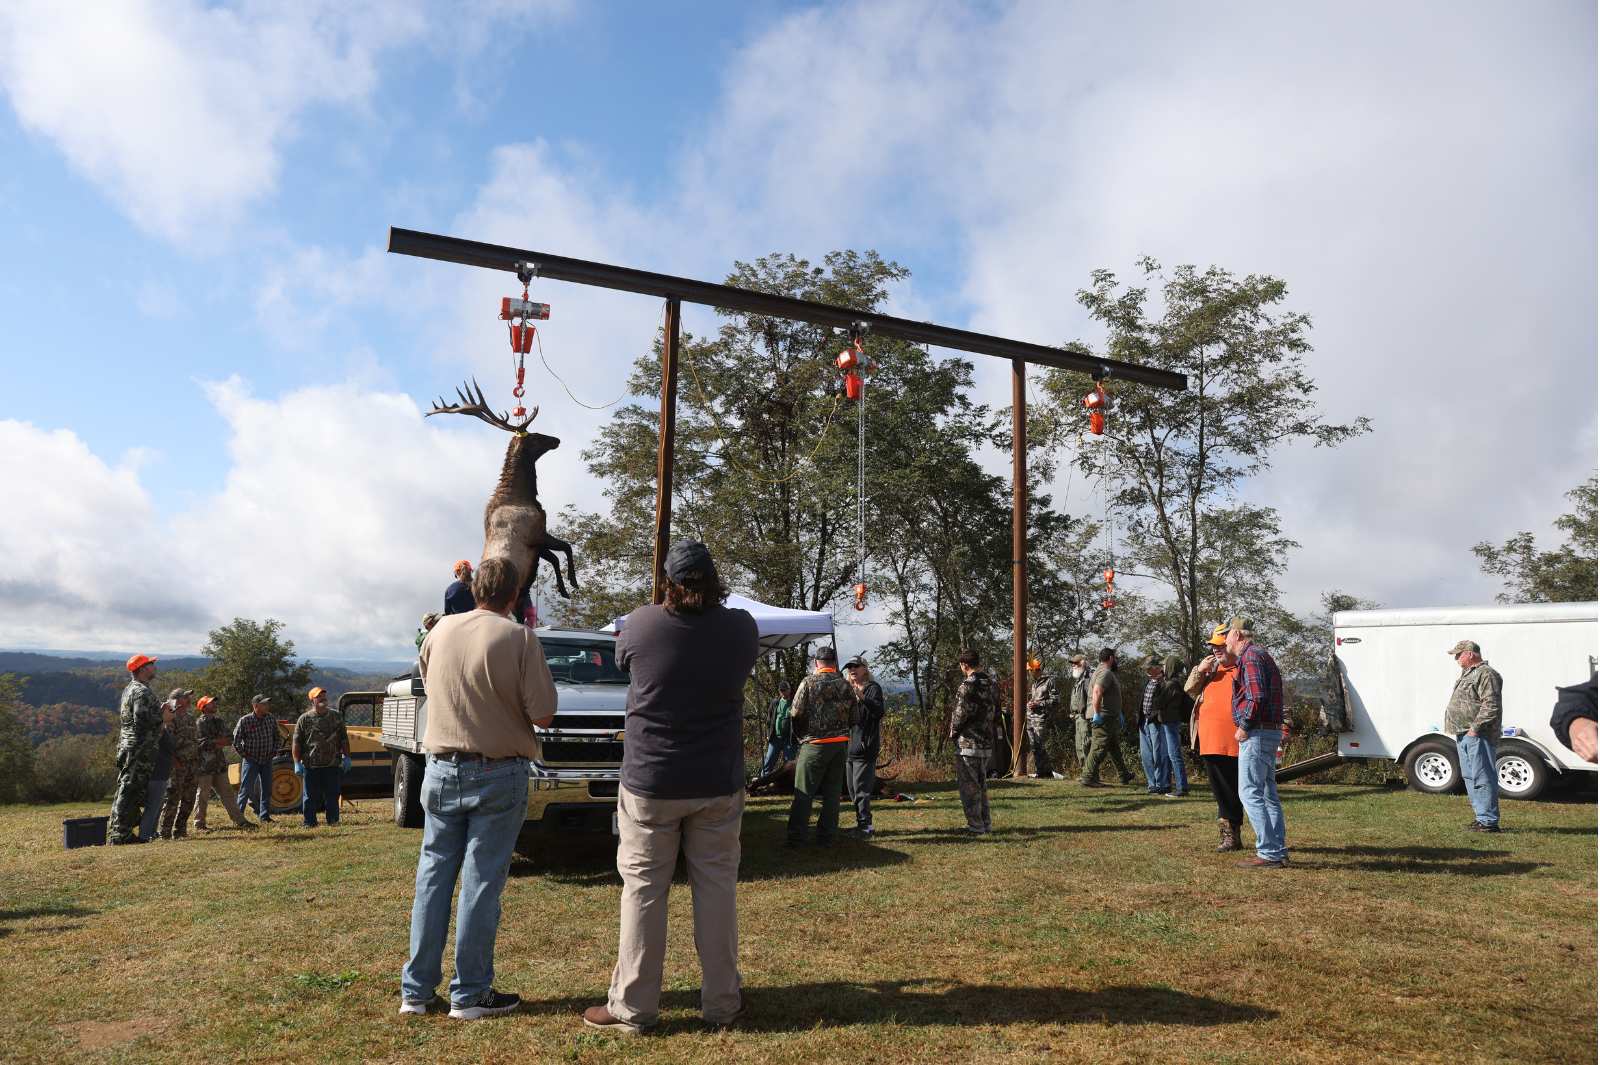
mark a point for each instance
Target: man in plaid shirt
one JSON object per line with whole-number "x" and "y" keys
{"x": 1258, "y": 726}
{"x": 255, "y": 737}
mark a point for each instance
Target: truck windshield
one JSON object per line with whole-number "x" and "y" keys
{"x": 583, "y": 662}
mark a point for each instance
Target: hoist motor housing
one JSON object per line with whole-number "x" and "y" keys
{"x": 511, "y": 307}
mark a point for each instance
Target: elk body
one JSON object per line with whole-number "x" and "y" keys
{"x": 514, "y": 522}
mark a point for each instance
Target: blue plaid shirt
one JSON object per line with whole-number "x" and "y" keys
{"x": 1257, "y": 691}
{"x": 256, "y": 738}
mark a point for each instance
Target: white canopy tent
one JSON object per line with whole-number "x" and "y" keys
{"x": 779, "y": 627}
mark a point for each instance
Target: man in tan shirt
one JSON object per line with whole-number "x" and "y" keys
{"x": 488, "y": 686}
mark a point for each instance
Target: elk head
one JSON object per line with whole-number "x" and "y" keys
{"x": 474, "y": 404}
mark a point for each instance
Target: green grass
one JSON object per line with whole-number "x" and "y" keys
{"x": 1093, "y": 926}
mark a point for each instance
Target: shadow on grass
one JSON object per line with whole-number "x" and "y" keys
{"x": 761, "y": 858}
{"x": 1450, "y": 861}
{"x": 1426, "y": 854}
{"x": 1004, "y": 834}
{"x": 28, "y": 913}
{"x": 805, "y": 1007}
{"x": 1328, "y": 792}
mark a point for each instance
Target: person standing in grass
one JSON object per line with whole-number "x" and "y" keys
{"x": 866, "y": 726}
{"x": 1472, "y": 716}
{"x": 141, "y": 720}
{"x": 1078, "y": 709}
{"x": 185, "y": 760}
{"x": 255, "y": 737}
{"x": 1152, "y": 750}
{"x": 972, "y": 727}
{"x": 211, "y": 765}
{"x": 321, "y": 749}
{"x": 1210, "y": 683}
{"x": 1105, "y": 722}
{"x": 821, "y": 721}
{"x": 1042, "y": 704}
{"x": 488, "y": 686}
{"x": 1172, "y": 711}
{"x": 780, "y": 733}
{"x": 1258, "y": 728}
{"x": 682, "y": 789}
{"x": 160, "y": 777}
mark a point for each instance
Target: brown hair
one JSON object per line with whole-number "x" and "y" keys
{"x": 698, "y": 591}
{"x": 495, "y": 583}
{"x": 968, "y": 657}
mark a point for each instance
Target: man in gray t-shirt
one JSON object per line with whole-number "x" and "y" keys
{"x": 1105, "y": 722}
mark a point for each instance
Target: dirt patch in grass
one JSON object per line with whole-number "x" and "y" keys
{"x": 102, "y": 1035}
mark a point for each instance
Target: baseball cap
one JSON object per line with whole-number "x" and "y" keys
{"x": 687, "y": 556}
{"x": 138, "y": 662}
{"x": 259, "y": 698}
{"x": 314, "y": 692}
{"x": 1078, "y": 659}
{"x": 1152, "y": 662}
{"x": 1034, "y": 663}
{"x": 1465, "y": 645}
{"x": 176, "y": 693}
{"x": 1219, "y": 635}
{"x": 856, "y": 661}
{"x": 826, "y": 654}
{"x": 205, "y": 701}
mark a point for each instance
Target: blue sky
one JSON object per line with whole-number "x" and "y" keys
{"x": 211, "y": 377}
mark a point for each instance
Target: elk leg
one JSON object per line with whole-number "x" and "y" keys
{"x": 553, "y": 544}
{"x": 547, "y": 555}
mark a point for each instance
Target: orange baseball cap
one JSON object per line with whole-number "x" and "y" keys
{"x": 138, "y": 662}
{"x": 314, "y": 692}
{"x": 205, "y": 701}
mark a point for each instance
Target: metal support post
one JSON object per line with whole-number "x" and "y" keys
{"x": 669, "y": 419}
{"x": 1019, "y": 560}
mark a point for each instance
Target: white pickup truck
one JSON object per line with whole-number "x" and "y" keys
{"x": 575, "y": 772}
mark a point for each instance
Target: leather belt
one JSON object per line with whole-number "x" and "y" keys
{"x": 468, "y": 758}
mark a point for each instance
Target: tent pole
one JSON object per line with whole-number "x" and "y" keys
{"x": 664, "y": 448}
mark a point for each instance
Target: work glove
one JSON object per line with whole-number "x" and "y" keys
{"x": 344, "y": 767}
{"x": 299, "y": 769}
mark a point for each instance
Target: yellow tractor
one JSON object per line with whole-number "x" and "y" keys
{"x": 372, "y": 766}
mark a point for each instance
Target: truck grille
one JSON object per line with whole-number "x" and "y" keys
{"x": 608, "y": 722}
{"x": 575, "y": 752}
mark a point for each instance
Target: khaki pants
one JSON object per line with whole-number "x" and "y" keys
{"x": 651, "y": 831}
{"x": 204, "y": 782}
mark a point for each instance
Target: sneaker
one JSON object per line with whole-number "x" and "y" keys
{"x": 1259, "y": 862}
{"x": 1057, "y": 776}
{"x": 1169, "y": 795}
{"x": 600, "y": 1017}
{"x": 724, "y": 1025}
{"x": 491, "y": 1004}
{"x": 1093, "y": 784}
{"x": 1479, "y": 826}
{"x": 433, "y": 1005}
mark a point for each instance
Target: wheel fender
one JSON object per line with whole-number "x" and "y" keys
{"x": 1530, "y": 746}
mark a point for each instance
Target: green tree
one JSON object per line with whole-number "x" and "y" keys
{"x": 75, "y": 769}
{"x": 1564, "y": 575}
{"x": 16, "y": 753}
{"x": 248, "y": 657}
{"x": 1173, "y": 462}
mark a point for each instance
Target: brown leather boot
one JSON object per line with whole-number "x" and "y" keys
{"x": 1236, "y": 835}
{"x": 1226, "y": 829}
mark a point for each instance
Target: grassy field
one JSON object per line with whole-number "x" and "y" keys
{"x": 1093, "y": 926}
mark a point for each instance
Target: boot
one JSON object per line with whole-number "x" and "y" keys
{"x": 1236, "y": 835}
{"x": 1225, "y": 827}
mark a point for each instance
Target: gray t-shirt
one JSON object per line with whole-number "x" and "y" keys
{"x": 685, "y": 736}
{"x": 1111, "y": 694}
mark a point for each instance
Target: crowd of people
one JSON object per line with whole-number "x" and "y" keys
{"x": 171, "y": 760}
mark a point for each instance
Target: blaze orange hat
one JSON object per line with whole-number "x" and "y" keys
{"x": 205, "y": 701}
{"x": 138, "y": 662}
{"x": 314, "y": 692}
{"x": 1034, "y": 663}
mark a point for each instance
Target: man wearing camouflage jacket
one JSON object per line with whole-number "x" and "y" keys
{"x": 179, "y": 802}
{"x": 211, "y": 765}
{"x": 820, "y": 716}
{"x": 972, "y": 727}
{"x": 1042, "y": 704}
{"x": 1473, "y": 717}
{"x": 141, "y": 718}
{"x": 321, "y": 747}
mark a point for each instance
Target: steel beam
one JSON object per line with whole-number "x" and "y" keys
{"x": 728, "y": 298}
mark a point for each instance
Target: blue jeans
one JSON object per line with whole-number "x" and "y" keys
{"x": 474, "y": 811}
{"x": 1258, "y": 791}
{"x": 1476, "y": 754}
{"x": 1172, "y": 747}
{"x": 321, "y": 792}
{"x": 1153, "y": 756}
{"x": 256, "y": 777}
{"x": 154, "y": 794}
{"x": 777, "y": 754}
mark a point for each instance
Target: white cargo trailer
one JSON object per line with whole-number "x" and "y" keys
{"x": 1394, "y": 676}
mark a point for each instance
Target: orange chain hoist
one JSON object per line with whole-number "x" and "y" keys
{"x": 520, "y": 314}
{"x": 856, "y": 367}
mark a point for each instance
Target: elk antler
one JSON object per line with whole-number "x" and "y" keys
{"x": 473, "y": 403}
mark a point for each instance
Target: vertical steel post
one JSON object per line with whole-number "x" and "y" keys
{"x": 669, "y": 421}
{"x": 1019, "y": 559}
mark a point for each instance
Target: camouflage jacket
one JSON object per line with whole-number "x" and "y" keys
{"x": 1080, "y": 695}
{"x": 1475, "y": 702}
{"x": 208, "y": 730}
{"x": 822, "y": 706}
{"x": 185, "y": 740}
{"x": 321, "y": 738}
{"x": 972, "y": 724}
{"x": 1042, "y": 699}
{"x": 140, "y": 718}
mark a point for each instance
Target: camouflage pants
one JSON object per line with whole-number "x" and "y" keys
{"x": 972, "y": 771}
{"x": 1036, "y": 732}
{"x": 180, "y": 801}
{"x": 134, "y": 767}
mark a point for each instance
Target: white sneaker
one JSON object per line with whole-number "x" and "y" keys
{"x": 492, "y": 1004}
{"x": 433, "y": 1005}
{"x": 1058, "y": 776}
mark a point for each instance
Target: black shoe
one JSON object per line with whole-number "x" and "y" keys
{"x": 1128, "y": 779}
{"x": 1479, "y": 826}
{"x": 1093, "y": 784}
{"x": 492, "y": 1004}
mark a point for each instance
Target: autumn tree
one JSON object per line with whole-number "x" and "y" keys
{"x": 1566, "y": 574}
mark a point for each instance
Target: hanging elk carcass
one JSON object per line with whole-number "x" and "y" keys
{"x": 514, "y": 522}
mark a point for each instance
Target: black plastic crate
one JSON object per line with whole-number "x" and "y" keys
{"x": 84, "y": 832}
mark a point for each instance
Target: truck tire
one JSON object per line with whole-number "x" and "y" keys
{"x": 1522, "y": 773}
{"x": 287, "y": 787}
{"x": 1431, "y": 767}
{"x": 408, "y": 770}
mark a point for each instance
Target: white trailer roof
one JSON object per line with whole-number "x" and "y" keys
{"x": 779, "y": 627}
{"x": 1529, "y": 613}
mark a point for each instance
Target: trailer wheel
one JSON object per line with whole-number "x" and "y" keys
{"x": 1431, "y": 767}
{"x": 408, "y": 770}
{"x": 1522, "y": 773}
